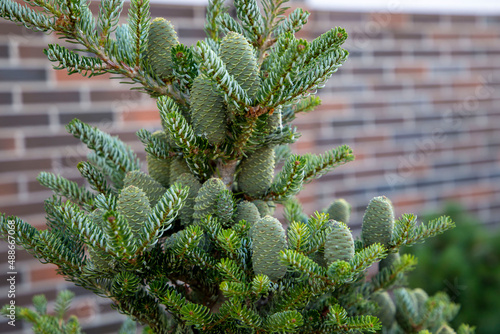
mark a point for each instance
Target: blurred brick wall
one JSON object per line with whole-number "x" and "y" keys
{"x": 417, "y": 101}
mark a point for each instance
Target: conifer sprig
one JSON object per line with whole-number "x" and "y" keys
{"x": 318, "y": 165}
{"x": 73, "y": 62}
{"x": 214, "y": 68}
{"x": 64, "y": 187}
{"x": 138, "y": 22}
{"x": 116, "y": 154}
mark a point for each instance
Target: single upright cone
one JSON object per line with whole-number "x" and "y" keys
{"x": 162, "y": 37}
{"x": 269, "y": 239}
{"x": 256, "y": 172}
{"x": 378, "y": 222}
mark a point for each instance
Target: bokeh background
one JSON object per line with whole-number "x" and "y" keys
{"x": 418, "y": 101}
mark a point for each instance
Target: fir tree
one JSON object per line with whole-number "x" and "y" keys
{"x": 192, "y": 247}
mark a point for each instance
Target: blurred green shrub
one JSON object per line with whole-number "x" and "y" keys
{"x": 465, "y": 263}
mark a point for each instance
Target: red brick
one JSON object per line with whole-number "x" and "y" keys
{"x": 63, "y": 77}
{"x": 45, "y": 273}
{"x": 142, "y": 115}
{"x": 390, "y": 20}
{"x": 7, "y": 144}
{"x": 8, "y": 188}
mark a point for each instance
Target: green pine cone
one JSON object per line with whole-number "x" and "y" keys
{"x": 225, "y": 208}
{"x": 339, "y": 244}
{"x": 248, "y": 212}
{"x": 162, "y": 37}
{"x": 178, "y": 167}
{"x": 208, "y": 111}
{"x": 402, "y": 315}
{"x": 186, "y": 212}
{"x": 206, "y": 200}
{"x": 133, "y": 204}
{"x": 268, "y": 239}
{"x": 273, "y": 121}
{"x": 262, "y": 207}
{"x": 378, "y": 222}
{"x": 256, "y": 172}
{"x": 388, "y": 261}
{"x": 387, "y": 310}
{"x": 102, "y": 261}
{"x": 445, "y": 329}
{"x": 238, "y": 56}
{"x": 421, "y": 296}
{"x": 159, "y": 169}
{"x": 340, "y": 211}
{"x": 153, "y": 190}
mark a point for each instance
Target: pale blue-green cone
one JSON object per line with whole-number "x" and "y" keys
{"x": 208, "y": 111}
{"x": 206, "y": 200}
{"x": 239, "y": 58}
{"x": 159, "y": 169}
{"x": 187, "y": 211}
{"x": 178, "y": 166}
{"x": 248, "y": 212}
{"x": 146, "y": 183}
{"x": 225, "y": 208}
{"x": 133, "y": 204}
{"x": 340, "y": 211}
{"x": 339, "y": 244}
{"x": 256, "y": 172}
{"x": 262, "y": 207}
{"x": 388, "y": 261}
{"x": 268, "y": 240}
{"x": 378, "y": 222}
{"x": 387, "y": 310}
{"x": 162, "y": 37}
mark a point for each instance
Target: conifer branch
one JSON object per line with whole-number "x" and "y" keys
{"x": 289, "y": 180}
{"x": 249, "y": 14}
{"x": 109, "y": 14}
{"x": 116, "y": 154}
{"x": 407, "y": 232}
{"x": 214, "y": 68}
{"x": 30, "y": 18}
{"x": 215, "y": 10}
{"x": 318, "y": 165}
{"x": 64, "y": 187}
{"x": 162, "y": 216}
{"x": 293, "y": 23}
{"x": 138, "y": 20}
{"x": 95, "y": 178}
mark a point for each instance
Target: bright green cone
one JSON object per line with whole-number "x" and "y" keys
{"x": 162, "y": 37}
{"x": 186, "y": 212}
{"x": 225, "y": 208}
{"x": 378, "y": 222}
{"x": 208, "y": 111}
{"x": 256, "y": 172}
{"x": 146, "y": 183}
{"x": 206, "y": 200}
{"x": 340, "y": 211}
{"x": 134, "y": 205}
{"x": 387, "y": 310}
{"x": 262, "y": 207}
{"x": 269, "y": 239}
{"x": 339, "y": 244}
